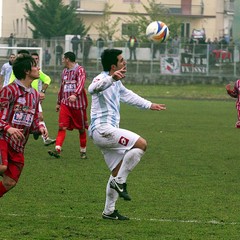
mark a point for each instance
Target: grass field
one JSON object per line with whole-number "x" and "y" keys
{"x": 186, "y": 186}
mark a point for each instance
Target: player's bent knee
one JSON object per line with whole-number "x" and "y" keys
{"x": 3, "y": 168}
{"x": 9, "y": 183}
{"x": 141, "y": 143}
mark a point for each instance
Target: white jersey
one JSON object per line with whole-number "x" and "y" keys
{"x": 6, "y": 72}
{"x": 106, "y": 97}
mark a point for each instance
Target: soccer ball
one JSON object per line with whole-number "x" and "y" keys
{"x": 157, "y": 31}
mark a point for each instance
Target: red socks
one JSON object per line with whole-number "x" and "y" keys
{"x": 83, "y": 139}
{"x": 60, "y": 137}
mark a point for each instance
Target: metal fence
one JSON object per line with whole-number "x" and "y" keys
{"x": 154, "y": 63}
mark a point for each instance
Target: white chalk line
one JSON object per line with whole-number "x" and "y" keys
{"x": 213, "y": 222}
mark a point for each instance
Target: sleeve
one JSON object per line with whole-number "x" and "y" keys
{"x": 100, "y": 83}
{"x": 2, "y": 70}
{"x": 131, "y": 98}
{"x": 81, "y": 78}
{"x": 44, "y": 78}
{"x": 5, "y": 101}
{"x": 12, "y": 77}
{"x": 234, "y": 92}
{"x": 36, "y": 123}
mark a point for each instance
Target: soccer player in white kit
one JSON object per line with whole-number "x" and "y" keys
{"x": 122, "y": 149}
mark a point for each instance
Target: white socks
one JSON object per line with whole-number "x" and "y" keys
{"x": 130, "y": 160}
{"x": 43, "y": 123}
{"x": 111, "y": 198}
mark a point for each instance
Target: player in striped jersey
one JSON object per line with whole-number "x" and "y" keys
{"x": 235, "y": 93}
{"x": 71, "y": 104}
{"x": 122, "y": 149}
{"x": 18, "y": 118}
{"x": 41, "y": 84}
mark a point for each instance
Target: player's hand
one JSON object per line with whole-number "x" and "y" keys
{"x": 44, "y": 132}
{"x": 228, "y": 87}
{"x": 42, "y": 96}
{"x": 158, "y": 107}
{"x": 119, "y": 74}
{"x": 72, "y": 98}
{"x": 57, "y": 108}
{"x": 16, "y": 134}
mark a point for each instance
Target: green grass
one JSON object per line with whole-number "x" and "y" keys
{"x": 185, "y": 187}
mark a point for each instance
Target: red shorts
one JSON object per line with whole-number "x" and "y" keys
{"x": 71, "y": 118}
{"x": 12, "y": 159}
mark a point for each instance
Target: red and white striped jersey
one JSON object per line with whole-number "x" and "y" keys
{"x": 236, "y": 90}
{"x": 73, "y": 81}
{"x": 18, "y": 109}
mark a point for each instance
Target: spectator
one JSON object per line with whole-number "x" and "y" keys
{"x": 10, "y": 43}
{"x": 175, "y": 44}
{"x": 86, "y": 48}
{"x": 132, "y": 45}
{"x": 110, "y": 42}
{"x": 47, "y": 57}
{"x": 75, "y": 41}
{"x": 100, "y": 45}
{"x": 34, "y": 44}
{"x": 58, "y": 53}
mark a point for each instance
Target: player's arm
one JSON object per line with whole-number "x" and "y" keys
{"x": 1, "y": 81}
{"x": 46, "y": 81}
{"x": 231, "y": 92}
{"x": 81, "y": 78}
{"x": 81, "y": 81}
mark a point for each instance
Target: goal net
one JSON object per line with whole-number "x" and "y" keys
{"x": 6, "y": 51}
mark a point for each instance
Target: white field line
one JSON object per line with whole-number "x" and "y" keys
{"x": 214, "y": 222}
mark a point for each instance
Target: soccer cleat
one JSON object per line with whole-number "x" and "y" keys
{"x": 36, "y": 135}
{"x": 121, "y": 189}
{"x": 237, "y": 124}
{"x": 114, "y": 216}
{"x": 54, "y": 153}
{"x": 83, "y": 155}
{"x": 49, "y": 141}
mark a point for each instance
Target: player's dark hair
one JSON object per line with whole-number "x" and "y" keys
{"x": 22, "y": 64}
{"x": 70, "y": 55}
{"x": 35, "y": 54}
{"x": 23, "y": 51}
{"x": 109, "y": 58}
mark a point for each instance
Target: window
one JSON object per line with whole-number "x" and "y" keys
{"x": 75, "y": 3}
{"x": 185, "y": 30}
{"x": 175, "y": 10}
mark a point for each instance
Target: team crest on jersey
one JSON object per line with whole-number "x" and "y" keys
{"x": 123, "y": 141}
{"x": 21, "y": 100}
{"x": 17, "y": 108}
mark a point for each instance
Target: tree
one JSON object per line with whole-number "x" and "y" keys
{"x": 154, "y": 12}
{"x": 107, "y": 27}
{"x": 51, "y": 18}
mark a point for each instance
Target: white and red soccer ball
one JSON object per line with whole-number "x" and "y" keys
{"x": 157, "y": 31}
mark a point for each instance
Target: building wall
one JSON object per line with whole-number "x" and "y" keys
{"x": 213, "y": 19}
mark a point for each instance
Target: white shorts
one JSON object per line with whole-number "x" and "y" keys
{"x": 113, "y": 142}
